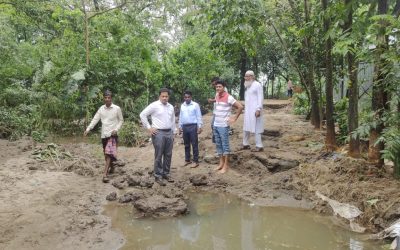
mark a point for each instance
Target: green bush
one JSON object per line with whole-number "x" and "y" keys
{"x": 301, "y": 105}
{"x": 340, "y": 117}
{"x": 17, "y": 122}
{"x": 131, "y": 134}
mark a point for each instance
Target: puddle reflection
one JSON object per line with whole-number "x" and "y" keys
{"x": 220, "y": 221}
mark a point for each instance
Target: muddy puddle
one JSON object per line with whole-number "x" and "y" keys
{"x": 221, "y": 221}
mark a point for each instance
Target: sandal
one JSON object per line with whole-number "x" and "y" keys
{"x": 105, "y": 179}
{"x": 257, "y": 149}
{"x": 187, "y": 163}
{"x": 245, "y": 147}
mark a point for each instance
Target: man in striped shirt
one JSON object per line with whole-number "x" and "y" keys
{"x": 222, "y": 122}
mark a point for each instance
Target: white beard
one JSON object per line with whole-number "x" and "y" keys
{"x": 247, "y": 84}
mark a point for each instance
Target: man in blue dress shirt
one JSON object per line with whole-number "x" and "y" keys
{"x": 190, "y": 123}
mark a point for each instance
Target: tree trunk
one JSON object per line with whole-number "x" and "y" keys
{"x": 243, "y": 61}
{"x": 379, "y": 94}
{"x": 86, "y": 32}
{"x": 315, "y": 118}
{"x": 255, "y": 66}
{"x": 272, "y": 88}
{"x": 352, "y": 114}
{"x": 341, "y": 77}
{"x": 397, "y": 159}
{"x": 278, "y": 91}
{"x": 330, "y": 140}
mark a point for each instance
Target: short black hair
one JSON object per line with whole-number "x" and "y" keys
{"x": 222, "y": 82}
{"x": 107, "y": 92}
{"x": 215, "y": 79}
{"x": 162, "y": 90}
{"x": 188, "y": 92}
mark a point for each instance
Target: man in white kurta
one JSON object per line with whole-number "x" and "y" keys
{"x": 253, "y": 118}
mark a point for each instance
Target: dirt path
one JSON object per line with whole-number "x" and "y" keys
{"x": 56, "y": 202}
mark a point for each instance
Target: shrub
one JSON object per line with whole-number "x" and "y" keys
{"x": 131, "y": 134}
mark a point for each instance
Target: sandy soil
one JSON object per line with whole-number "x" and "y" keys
{"x": 52, "y": 196}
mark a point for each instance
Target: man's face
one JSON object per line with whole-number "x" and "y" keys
{"x": 107, "y": 100}
{"x": 213, "y": 84}
{"x": 219, "y": 88}
{"x": 187, "y": 98}
{"x": 164, "y": 96}
{"x": 248, "y": 77}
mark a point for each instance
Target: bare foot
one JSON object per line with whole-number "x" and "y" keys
{"x": 218, "y": 168}
{"x": 222, "y": 170}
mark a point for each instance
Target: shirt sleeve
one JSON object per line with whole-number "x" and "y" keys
{"x": 173, "y": 120}
{"x": 180, "y": 117}
{"x": 94, "y": 121}
{"x": 144, "y": 114}
{"x": 198, "y": 116}
{"x": 120, "y": 119}
{"x": 231, "y": 100}
{"x": 260, "y": 97}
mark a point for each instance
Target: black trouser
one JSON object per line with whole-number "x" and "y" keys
{"x": 190, "y": 137}
{"x": 290, "y": 92}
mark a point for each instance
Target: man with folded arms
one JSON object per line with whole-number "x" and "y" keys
{"x": 190, "y": 123}
{"x": 162, "y": 131}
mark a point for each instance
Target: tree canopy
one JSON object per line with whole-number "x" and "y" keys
{"x": 343, "y": 56}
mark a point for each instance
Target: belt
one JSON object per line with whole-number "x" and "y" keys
{"x": 189, "y": 124}
{"x": 164, "y": 130}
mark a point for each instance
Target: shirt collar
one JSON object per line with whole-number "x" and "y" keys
{"x": 111, "y": 106}
{"x": 160, "y": 103}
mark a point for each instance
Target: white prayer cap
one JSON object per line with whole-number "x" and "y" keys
{"x": 249, "y": 73}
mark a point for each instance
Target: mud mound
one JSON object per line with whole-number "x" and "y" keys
{"x": 355, "y": 182}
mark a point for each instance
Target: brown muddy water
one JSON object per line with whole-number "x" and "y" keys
{"x": 221, "y": 221}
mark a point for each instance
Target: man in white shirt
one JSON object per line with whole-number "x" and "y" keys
{"x": 190, "y": 122}
{"x": 253, "y": 118}
{"x": 111, "y": 121}
{"x": 162, "y": 132}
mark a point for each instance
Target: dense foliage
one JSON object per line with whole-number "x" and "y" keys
{"x": 59, "y": 55}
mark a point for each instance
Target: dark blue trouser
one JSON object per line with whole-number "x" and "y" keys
{"x": 163, "y": 143}
{"x": 190, "y": 137}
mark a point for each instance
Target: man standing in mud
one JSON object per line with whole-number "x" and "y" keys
{"x": 222, "y": 122}
{"x": 111, "y": 121}
{"x": 162, "y": 132}
{"x": 190, "y": 122}
{"x": 253, "y": 105}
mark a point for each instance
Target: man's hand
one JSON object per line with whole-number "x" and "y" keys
{"x": 231, "y": 120}
{"x": 114, "y": 132}
{"x": 152, "y": 131}
{"x": 199, "y": 130}
{"x": 85, "y": 133}
{"x": 180, "y": 131}
{"x": 258, "y": 113}
{"x": 211, "y": 100}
